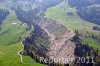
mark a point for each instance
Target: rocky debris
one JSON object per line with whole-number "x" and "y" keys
{"x": 50, "y": 39}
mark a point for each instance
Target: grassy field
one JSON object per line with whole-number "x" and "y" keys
{"x": 10, "y": 43}
{"x": 9, "y": 56}
{"x": 74, "y": 22}
{"x": 11, "y": 30}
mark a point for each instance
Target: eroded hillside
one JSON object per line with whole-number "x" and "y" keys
{"x": 51, "y": 39}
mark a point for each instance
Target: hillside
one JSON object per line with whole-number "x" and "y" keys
{"x": 51, "y": 29}
{"x": 74, "y": 22}
{"x": 11, "y": 35}
{"x": 88, "y": 10}
{"x": 53, "y": 38}
{"x": 56, "y": 42}
{"x": 83, "y": 3}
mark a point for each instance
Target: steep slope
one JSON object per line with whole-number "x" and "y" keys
{"x": 53, "y": 38}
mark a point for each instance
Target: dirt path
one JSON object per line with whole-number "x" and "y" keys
{"x": 21, "y": 58}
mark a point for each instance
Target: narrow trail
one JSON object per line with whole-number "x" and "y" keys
{"x": 21, "y": 58}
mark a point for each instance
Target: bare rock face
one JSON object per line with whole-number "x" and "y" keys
{"x": 51, "y": 39}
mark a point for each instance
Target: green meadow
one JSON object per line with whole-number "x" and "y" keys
{"x": 11, "y": 37}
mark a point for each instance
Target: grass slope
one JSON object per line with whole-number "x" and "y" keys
{"x": 10, "y": 43}
{"x": 74, "y": 21}
{"x": 10, "y": 32}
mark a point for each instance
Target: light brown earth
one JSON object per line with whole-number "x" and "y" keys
{"x": 60, "y": 37}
